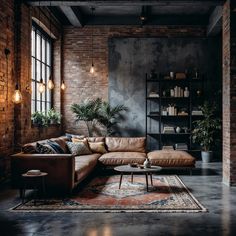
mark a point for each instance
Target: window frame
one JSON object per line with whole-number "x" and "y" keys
{"x": 46, "y": 99}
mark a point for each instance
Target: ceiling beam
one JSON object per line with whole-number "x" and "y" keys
{"x": 125, "y": 2}
{"x": 152, "y": 20}
{"x": 71, "y": 15}
{"x": 215, "y": 21}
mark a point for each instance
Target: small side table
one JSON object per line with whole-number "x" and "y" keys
{"x": 38, "y": 182}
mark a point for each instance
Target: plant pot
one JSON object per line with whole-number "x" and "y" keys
{"x": 206, "y": 156}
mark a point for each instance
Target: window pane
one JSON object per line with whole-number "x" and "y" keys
{"x": 33, "y": 43}
{"x": 38, "y": 70}
{"x": 43, "y": 49}
{"x": 33, "y": 68}
{"x": 38, "y": 106}
{"x": 32, "y": 106}
{"x": 33, "y": 89}
{"x": 48, "y": 54}
{"x": 38, "y": 45}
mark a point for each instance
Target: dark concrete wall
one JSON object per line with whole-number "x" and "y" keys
{"x": 131, "y": 58}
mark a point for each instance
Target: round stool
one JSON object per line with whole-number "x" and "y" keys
{"x": 37, "y": 181}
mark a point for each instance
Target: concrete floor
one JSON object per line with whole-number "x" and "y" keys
{"x": 205, "y": 184}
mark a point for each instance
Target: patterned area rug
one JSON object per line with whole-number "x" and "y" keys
{"x": 102, "y": 194}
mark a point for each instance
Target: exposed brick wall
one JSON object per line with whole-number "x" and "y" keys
{"x": 15, "y": 121}
{"x": 229, "y": 98}
{"x": 77, "y": 60}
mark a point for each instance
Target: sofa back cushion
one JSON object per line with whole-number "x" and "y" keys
{"x": 130, "y": 144}
{"x": 30, "y": 148}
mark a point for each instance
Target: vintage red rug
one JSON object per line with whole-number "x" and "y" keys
{"x": 102, "y": 194}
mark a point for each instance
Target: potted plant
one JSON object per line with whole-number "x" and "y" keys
{"x": 87, "y": 111}
{"x": 54, "y": 116}
{"x": 109, "y": 116}
{"x": 205, "y": 130}
{"x": 39, "y": 119}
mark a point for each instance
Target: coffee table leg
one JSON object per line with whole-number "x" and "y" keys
{"x": 151, "y": 178}
{"x": 121, "y": 175}
{"x": 146, "y": 174}
{"x": 132, "y": 177}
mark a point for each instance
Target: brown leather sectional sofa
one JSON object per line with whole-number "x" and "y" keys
{"x": 65, "y": 171}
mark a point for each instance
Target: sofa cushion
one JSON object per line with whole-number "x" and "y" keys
{"x": 56, "y": 147}
{"x": 78, "y": 148}
{"x": 131, "y": 144}
{"x": 84, "y": 165}
{"x": 97, "y": 147}
{"x": 61, "y": 141}
{"x": 44, "y": 149}
{"x": 122, "y": 158}
{"x": 171, "y": 158}
{"x": 96, "y": 139}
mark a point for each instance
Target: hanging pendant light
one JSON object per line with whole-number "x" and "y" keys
{"x": 92, "y": 69}
{"x": 50, "y": 81}
{"x": 63, "y": 86}
{"x": 17, "y": 97}
{"x": 41, "y": 86}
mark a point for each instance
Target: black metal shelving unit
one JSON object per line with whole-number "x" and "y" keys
{"x": 156, "y": 131}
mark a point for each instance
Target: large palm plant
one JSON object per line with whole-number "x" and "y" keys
{"x": 110, "y": 116}
{"x": 88, "y": 112}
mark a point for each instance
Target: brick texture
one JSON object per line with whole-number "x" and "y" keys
{"x": 15, "y": 120}
{"x": 77, "y": 57}
{"x": 229, "y": 98}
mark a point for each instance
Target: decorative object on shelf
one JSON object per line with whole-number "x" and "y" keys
{"x": 172, "y": 93}
{"x": 147, "y": 163}
{"x": 185, "y": 129}
{"x": 153, "y": 94}
{"x": 92, "y": 70}
{"x": 178, "y": 130}
{"x": 186, "y": 92}
{"x": 172, "y": 75}
{"x": 180, "y": 75}
{"x": 197, "y": 113}
{"x": 168, "y": 130}
{"x": 153, "y": 74}
{"x": 196, "y": 74}
{"x": 172, "y": 110}
{"x": 178, "y": 92}
{"x": 206, "y": 130}
{"x": 181, "y": 146}
{"x": 54, "y": 116}
{"x": 198, "y": 93}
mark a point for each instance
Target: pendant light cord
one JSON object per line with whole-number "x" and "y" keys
{"x": 92, "y": 8}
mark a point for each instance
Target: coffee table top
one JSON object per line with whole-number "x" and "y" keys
{"x": 129, "y": 169}
{"x": 42, "y": 174}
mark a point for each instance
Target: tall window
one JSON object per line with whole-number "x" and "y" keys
{"x": 41, "y": 56}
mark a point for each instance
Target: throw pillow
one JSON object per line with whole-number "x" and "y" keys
{"x": 98, "y": 147}
{"x": 55, "y": 146}
{"x": 78, "y": 148}
{"x": 44, "y": 149}
{"x": 70, "y": 136}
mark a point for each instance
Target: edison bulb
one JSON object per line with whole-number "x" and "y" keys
{"x": 17, "y": 97}
{"x": 41, "y": 87}
{"x": 92, "y": 69}
{"x": 50, "y": 84}
{"x": 63, "y": 86}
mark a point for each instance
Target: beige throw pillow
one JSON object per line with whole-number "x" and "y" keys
{"x": 97, "y": 147}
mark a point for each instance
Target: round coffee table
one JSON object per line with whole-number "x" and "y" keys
{"x": 127, "y": 169}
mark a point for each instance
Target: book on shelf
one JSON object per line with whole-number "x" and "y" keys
{"x": 153, "y": 95}
{"x": 168, "y": 130}
{"x": 168, "y": 147}
{"x": 197, "y": 113}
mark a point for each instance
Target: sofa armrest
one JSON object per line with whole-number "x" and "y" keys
{"x": 60, "y": 169}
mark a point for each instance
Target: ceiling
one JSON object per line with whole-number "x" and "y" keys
{"x": 126, "y": 12}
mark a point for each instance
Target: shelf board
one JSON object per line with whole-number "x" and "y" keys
{"x": 153, "y": 98}
{"x": 154, "y": 134}
{"x": 180, "y": 98}
{"x": 156, "y": 116}
{"x": 174, "y": 80}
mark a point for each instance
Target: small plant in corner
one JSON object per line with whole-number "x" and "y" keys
{"x": 39, "y": 119}
{"x": 54, "y": 116}
{"x": 206, "y": 130}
